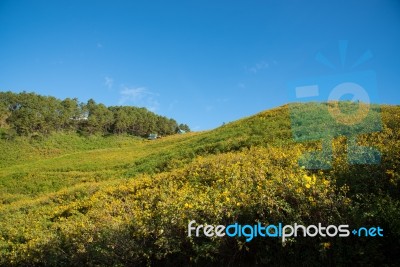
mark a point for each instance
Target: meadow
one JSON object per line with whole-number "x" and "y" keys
{"x": 118, "y": 200}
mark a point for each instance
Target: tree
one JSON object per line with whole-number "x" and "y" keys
{"x": 70, "y": 114}
{"x": 122, "y": 120}
{"x": 100, "y": 119}
{"x": 4, "y": 110}
{"x": 30, "y": 113}
{"x": 26, "y": 116}
{"x": 184, "y": 127}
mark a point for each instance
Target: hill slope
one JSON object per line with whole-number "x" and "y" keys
{"x": 117, "y": 200}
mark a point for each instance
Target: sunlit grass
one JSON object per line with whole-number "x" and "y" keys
{"x": 70, "y": 200}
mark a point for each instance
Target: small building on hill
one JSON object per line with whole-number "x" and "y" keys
{"x": 152, "y": 136}
{"x": 180, "y": 131}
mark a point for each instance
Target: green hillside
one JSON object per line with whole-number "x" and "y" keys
{"x": 118, "y": 200}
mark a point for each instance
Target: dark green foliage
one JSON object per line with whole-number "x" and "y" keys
{"x": 30, "y": 114}
{"x": 140, "y": 122}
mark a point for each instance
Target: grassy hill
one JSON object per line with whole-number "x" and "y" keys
{"x": 119, "y": 200}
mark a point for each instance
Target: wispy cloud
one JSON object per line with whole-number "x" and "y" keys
{"x": 172, "y": 105}
{"x": 258, "y": 66}
{"x": 222, "y": 100}
{"x": 241, "y": 85}
{"x": 208, "y": 108}
{"x": 109, "y": 82}
{"x": 139, "y": 96}
{"x": 99, "y": 45}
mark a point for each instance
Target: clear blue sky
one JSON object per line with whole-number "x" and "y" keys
{"x": 200, "y": 62}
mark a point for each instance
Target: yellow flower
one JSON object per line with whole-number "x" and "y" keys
{"x": 308, "y": 185}
{"x": 326, "y": 245}
{"x": 314, "y": 179}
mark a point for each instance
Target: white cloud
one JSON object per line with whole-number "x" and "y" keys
{"x": 208, "y": 108}
{"x": 139, "y": 96}
{"x": 132, "y": 94}
{"x": 152, "y": 104}
{"x": 109, "y": 82}
{"x": 258, "y": 66}
{"x": 241, "y": 85}
{"x": 172, "y": 105}
{"x": 223, "y": 100}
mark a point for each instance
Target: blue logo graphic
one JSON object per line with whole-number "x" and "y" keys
{"x": 327, "y": 107}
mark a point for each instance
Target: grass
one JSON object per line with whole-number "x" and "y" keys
{"x": 32, "y": 167}
{"x": 51, "y": 164}
{"x": 119, "y": 187}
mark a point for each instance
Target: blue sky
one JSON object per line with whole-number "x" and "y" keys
{"x": 200, "y": 62}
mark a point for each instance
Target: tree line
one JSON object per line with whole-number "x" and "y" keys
{"x": 29, "y": 113}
